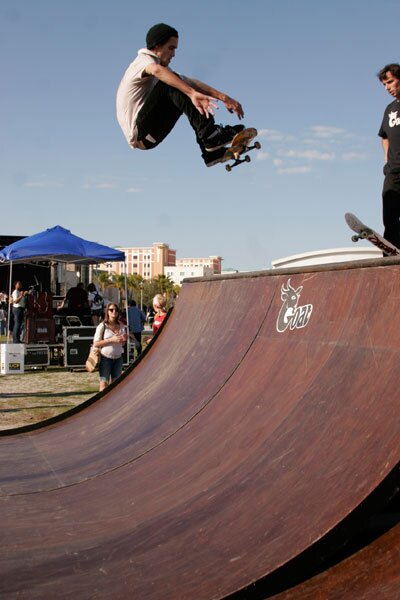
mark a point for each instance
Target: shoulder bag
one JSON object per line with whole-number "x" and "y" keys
{"x": 93, "y": 360}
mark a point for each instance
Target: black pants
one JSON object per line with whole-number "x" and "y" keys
{"x": 161, "y": 111}
{"x": 138, "y": 341}
{"x": 18, "y": 313}
{"x": 391, "y": 208}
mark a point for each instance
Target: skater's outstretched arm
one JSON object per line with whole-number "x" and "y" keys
{"x": 203, "y": 102}
{"x": 232, "y": 105}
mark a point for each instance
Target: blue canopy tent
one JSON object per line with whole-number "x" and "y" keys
{"x": 59, "y": 245}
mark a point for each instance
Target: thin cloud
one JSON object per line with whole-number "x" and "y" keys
{"x": 272, "y": 135}
{"x": 98, "y": 185}
{"x": 262, "y": 155}
{"x": 295, "y": 170}
{"x": 42, "y": 184}
{"x": 109, "y": 182}
{"x": 348, "y": 156}
{"x": 301, "y": 153}
{"x": 105, "y": 186}
{"x": 326, "y": 131}
{"x": 308, "y": 154}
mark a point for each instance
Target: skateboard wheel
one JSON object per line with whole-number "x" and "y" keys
{"x": 228, "y": 168}
{"x": 354, "y": 238}
{"x": 363, "y": 235}
{"x": 257, "y": 145}
{"x": 247, "y": 159}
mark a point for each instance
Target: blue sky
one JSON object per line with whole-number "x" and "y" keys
{"x": 304, "y": 71}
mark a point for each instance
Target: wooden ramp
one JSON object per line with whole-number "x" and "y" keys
{"x": 265, "y": 416}
{"x": 371, "y": 573}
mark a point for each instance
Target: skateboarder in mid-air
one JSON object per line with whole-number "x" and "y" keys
{"x": 151, "y": 98}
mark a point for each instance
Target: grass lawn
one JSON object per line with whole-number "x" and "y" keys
{"x": 37, "y": 394}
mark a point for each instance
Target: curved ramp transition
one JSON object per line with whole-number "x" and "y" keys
{"x": 371, "y": 573}
{"x": 265, "y": 414}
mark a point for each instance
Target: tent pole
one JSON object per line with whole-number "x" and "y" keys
{"x": 126, "y": 311}
{"x": 9, "y": 303}
{"x": 126, "y": 294}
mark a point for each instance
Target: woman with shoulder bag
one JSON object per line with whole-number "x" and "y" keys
{"x": 110, "y": 338}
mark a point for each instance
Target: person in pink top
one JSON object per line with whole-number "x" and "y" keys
{"x": 159, "y": 303}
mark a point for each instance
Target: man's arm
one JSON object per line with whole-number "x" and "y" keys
{"x": 201, "y": 101}
{"x": 385, "y": 146}
{"x": 230, "y": 104}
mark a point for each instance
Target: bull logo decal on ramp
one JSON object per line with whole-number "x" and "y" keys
{"x": 291, "y": 315}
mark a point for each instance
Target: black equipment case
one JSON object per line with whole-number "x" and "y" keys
{"x": 77, "y": 342}
{"x": 37, "y": 355}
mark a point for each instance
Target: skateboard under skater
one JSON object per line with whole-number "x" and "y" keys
{"x": 363, "y": 232}
{"x": 241, "y": 144}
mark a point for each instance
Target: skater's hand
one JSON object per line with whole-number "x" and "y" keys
{"x": 204, "y": 104}
{"x": 233, "y": 106}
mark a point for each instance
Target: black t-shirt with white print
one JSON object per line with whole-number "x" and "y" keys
{"x": 390, "y": 130}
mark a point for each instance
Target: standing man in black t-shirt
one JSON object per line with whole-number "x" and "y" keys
{"x": 390, "y": 134}
{"x": 78, "y": 302}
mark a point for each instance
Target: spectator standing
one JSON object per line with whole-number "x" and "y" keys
{"x": 3, "y": 313}
{"x": 110, "y": 337}
{"x": 18, "y": 301}
{"x": 3, "y": 321}
{"x": 136, "y": 319}
{"x": 389, "y": 133}
{"x": 159, "y": 304}
{"x": 3, "y": 300}
{"x": 77, "y": 300}
{"x": 96, "y": 303}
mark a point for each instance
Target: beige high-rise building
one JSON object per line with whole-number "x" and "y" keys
{"x": 145, "y": 261}
{"x": 212, "y": 262}
{"x": 154, "y": 260}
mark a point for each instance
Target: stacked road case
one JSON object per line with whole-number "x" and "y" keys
{"x": 37, "y": 355}
{"x": 77, "y": 342}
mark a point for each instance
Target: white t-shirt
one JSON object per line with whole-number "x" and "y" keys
{"x": 95, "y": 306}
{"x": 132, "y": 92}
{"x": 16, "y": 294}
{"x": 103, "y": 333}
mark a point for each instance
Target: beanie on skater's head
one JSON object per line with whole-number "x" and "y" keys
{"x": 159, "y": 34}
